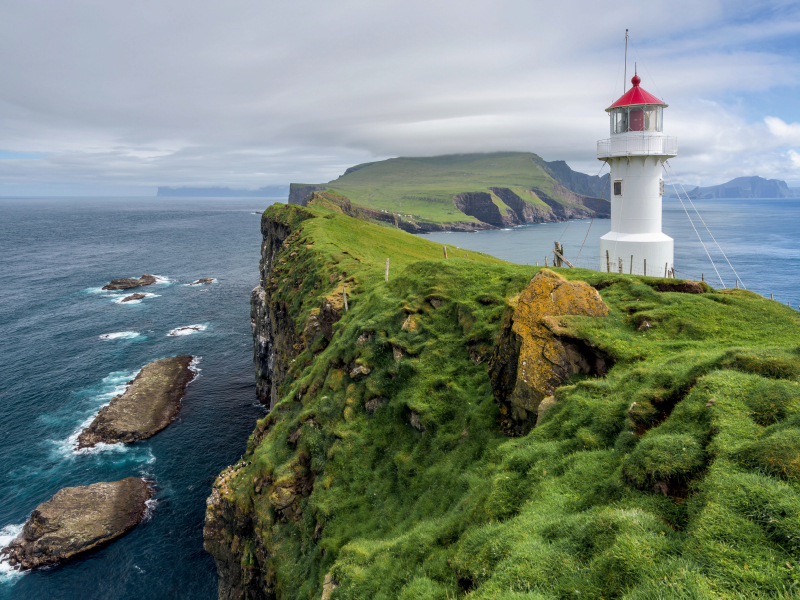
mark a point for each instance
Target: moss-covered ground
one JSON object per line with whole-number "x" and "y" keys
{"x": 677, "y": 475}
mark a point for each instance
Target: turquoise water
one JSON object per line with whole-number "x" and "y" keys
{"x": 760, "y": 237}
{"x": 66, "y": 348}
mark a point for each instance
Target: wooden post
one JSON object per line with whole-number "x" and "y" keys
{"x": 737, "y": 284}
{"x": 666, "y": 265}
{"x": 445, "y": 251}
{"x": 344, "y": 296}
{"x": 387, "y": 270}
{"x": 620, "y": 264}
{"x": 702, "y": 276}
{"x": 556, "y": 258}
{"x": 645, "y": 267}
{"x": 545, "y": 260}
{"x": 608, "y": 262}
{"x": 770, "y": 297}
{"x": 631, "y": 273}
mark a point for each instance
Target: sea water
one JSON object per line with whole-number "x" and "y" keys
{"x": 67, "y": 347}
{"x": 758, "y": 236}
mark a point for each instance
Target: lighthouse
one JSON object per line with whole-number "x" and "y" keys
{"x": 635, "y": 153}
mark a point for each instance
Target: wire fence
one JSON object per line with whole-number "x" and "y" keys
{"x": 594, "y": 264}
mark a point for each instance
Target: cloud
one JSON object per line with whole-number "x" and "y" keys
{"x": 246, "y": 93}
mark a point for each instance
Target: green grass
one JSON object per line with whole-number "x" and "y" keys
{"x": 424, "y": 187}
{"x": 674, "y": 477}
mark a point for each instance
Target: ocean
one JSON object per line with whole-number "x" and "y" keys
{"x": 66, "y": 347}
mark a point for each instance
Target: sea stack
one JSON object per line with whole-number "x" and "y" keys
{"x": 127, "y": 283}
{"x": 78, "y": 520}
{"x": 636, "y": 152}
{"x": 146, "y": 407}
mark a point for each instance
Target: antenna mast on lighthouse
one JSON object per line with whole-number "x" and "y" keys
{"x": 625, "y": 75}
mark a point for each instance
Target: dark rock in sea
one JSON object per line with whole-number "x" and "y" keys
{"x": 145, "y": 408}
{"x": 134, "y": 297}
{"x": 203, "y": 281}
{"x": 127, "y": 283}
{"x": 78, "y": 520}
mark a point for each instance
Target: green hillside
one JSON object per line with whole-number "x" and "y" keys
{"x": 425, "y": 188}
{"x": 392, "y": 467}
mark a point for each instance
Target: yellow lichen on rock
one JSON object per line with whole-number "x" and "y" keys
{"x": 531, "y": 360}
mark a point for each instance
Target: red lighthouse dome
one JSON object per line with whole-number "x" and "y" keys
{"x": 636, "y": 95}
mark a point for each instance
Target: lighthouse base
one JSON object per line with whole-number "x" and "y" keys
{"x": 641, "y": 253}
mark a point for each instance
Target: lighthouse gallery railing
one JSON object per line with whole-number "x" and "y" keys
{"x": 643, "y": 145}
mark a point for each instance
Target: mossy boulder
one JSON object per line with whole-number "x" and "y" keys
{"x": 534, "y": 353}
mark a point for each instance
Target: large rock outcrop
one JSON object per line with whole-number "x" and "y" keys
{"x": 146, "y": 407}
{"x": 125, "y": 283}
{"x": 78, "y": 520}
{"x": 535, "y": 354}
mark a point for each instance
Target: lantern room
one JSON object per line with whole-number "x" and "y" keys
{"x": 637, "y": 110}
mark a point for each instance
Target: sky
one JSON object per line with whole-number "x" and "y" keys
{"x": 116, "y": 98}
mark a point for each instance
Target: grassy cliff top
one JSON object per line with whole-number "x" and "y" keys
{"x": 424, "y": 187}
{"x": 384, "y": 468}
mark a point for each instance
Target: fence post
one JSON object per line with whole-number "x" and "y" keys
{"x": 702, "y": 276}
{"x": 645, "y": 267}
{"x": 770, "y": 297}
{"x": 344, "y": 296}
{"x": 445, "y": 251}
{"x": 545, "y": 260}
{"x": 631, "y": 273}
{"x": 387, "y": 270}
{"x": 608, "y": 262}
{"x": 665, "y": 269}
{"x": 737, "y": 284}
{"x": 619, "y": 258}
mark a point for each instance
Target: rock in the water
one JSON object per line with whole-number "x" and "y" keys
{"x": 203, "y": 281}
{"x": 77, "y": 520}
{"x": 534, "y": 354}
{"x": 134, "y": 297}
{"x": 146, "y": 407}
{"x": 127, "y": 283}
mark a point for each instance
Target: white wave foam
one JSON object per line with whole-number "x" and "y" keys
{"x": 125, "y": 335}
{"x": 112, "y": 385}
{"x": 194, "y": 284}
{"x": 7, "y": 534}
{"x": 162, "y": 279}
{"x": 119, "y": 298}
{"x": 187, "y": 330}
{"x": 151, "y": 506}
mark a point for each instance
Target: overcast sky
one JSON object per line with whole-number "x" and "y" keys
{"x": 112, "y": 97}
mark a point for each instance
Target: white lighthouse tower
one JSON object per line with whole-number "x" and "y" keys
{"x": 635, "y": 152}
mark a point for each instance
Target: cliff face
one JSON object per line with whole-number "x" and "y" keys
{"x": 275, "y": 342}
{"x": 648, "y": 428}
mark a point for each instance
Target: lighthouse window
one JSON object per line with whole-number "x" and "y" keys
{"x": 637, "y": 118}
{"x": 618, "y": 188}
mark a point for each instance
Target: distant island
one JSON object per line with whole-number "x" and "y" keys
{"x": 744, "y": 187}
{"x": 270, "y": 191}
{"x": 463, "y": 192}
